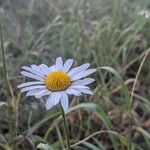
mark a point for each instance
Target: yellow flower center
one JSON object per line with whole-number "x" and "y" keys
{"x": 57, "y": 81}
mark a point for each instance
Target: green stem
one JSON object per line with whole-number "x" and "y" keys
{"x": 132, "y": 94}
{"x": 7, "y": 86}
{"x": 129, "y": 123}
{"x": 129, "y": 138}
{"x": 65, "y": 127}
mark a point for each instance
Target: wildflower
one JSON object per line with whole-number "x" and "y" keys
{"x": 57, "y": 82}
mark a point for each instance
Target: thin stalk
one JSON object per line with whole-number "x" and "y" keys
{"x": 65, "y": 127}
{"x": 129, "y": 136}
{"x": 8, "y": 91}
{"x": 132, "y": 94}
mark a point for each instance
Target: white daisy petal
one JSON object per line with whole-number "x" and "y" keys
{"x": 82, "y": 74}
{"x": 72, "y": 91}
{"x": 33, "y": 71}
{"x": 52, "y": 68}
{"x": 44, "y": 68}
{"x": 57, "y": 97}
{"x": 48, "y": 92}
{"x": 76, "y": 70}
{"x": 29, "y": 83}
{"x": 29, "y": 69}
{"x": 38, "y": 70}
{"x": 32, "y": 92}
{"x": 42, "y": 93}
{"x": 59, "y": 63}
{"x": 79, "y": 87}
{"x": 33, "y": 87}
{"x": 35, "y": 91}
{"x": 86, "y": 91}
{"x": 50, "y": 101}
{"x": 30, "y": 75}
{"x": 67, "y": 65}
{"x": 64, "y": 101}
{"x": 84, "y": 81}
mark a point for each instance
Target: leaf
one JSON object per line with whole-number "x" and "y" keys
{"x": 91, "y": 146}
{"x": 88, "y": 106}
{"x": 44, "y": 146}
{"x": 144, "y": 132}
{"x": 122, "y": 84}
{"x": 100, "y": 113}
{"x": 124, "y": 89}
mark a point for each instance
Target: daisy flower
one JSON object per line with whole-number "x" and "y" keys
{"x": 57, "y": 82}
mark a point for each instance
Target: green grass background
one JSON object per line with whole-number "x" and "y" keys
{"x": 100, "y": 32}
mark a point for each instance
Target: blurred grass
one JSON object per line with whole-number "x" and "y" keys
{"x": 101, "y": 32}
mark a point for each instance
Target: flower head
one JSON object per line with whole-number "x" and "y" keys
{"x": 57, "y": 81}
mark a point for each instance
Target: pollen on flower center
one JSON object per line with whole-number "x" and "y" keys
{"x": 57, "y": 81}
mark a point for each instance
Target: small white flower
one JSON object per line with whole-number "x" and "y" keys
{"x": 145, "y": 13}
{"x": 57, "y": 81}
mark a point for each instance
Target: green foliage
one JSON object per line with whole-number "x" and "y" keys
{"x": 114, "y": 37}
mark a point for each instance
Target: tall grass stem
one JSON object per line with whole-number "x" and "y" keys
{"x": 8, "y": 91}
{"x": 65, "y": 127}
{"x": 132, "y": 93}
